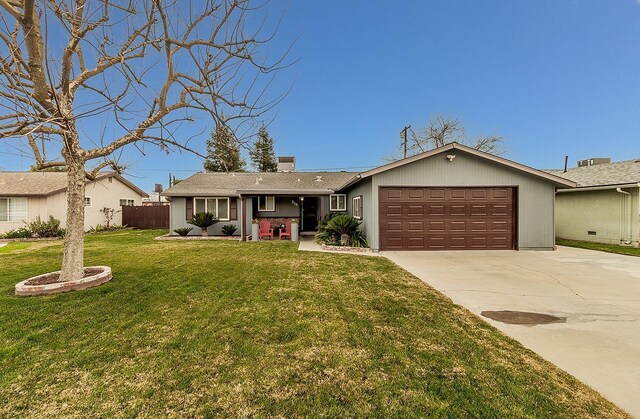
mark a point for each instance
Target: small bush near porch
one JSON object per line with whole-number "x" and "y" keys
{"x": 259, "y": 329}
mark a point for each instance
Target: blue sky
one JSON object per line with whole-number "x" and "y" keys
{"x": 554, "y": 77}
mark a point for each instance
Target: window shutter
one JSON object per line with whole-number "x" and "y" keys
{"x": 189, "y": 202}
{"x": 233, "y": 209}
{"x": 360, "y": 203}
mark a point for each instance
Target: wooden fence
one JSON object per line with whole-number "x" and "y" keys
{"x": 142, "y": 216}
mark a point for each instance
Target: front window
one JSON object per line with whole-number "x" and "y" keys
{"x": 338, "y": 202}
{"x": 13, "y": 209}
{"x": 219, "y": 207}
{"x": 127, "y": 202}
{"x": 357, "y": 207}
{"x": 266, "y": 203}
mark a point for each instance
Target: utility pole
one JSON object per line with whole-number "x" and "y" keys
{"x": 403, "y": 135}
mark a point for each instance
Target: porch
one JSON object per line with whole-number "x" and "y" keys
{"x": 308, "y": 210}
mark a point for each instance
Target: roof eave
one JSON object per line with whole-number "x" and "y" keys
{"x": 557, "y": 180}
{"x": 602, "y": 187}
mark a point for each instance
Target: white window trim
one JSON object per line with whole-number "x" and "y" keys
{"x": 206, "y": 203}
{"x": 90, "y": 202}
{"x": 266, "y": 201}
{"x": 126, "y": 199}
{"x": 356, "y": 203}
{"x": 26, "y": 208}
{"x": 337, "y": 195}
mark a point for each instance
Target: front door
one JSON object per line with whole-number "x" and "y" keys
{"x": 309, "y": 213}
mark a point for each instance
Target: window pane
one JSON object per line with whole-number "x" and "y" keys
{"x": 271, "y": 203}
{"x": 4, "y": 210}
{"x": 223, "y": 209}
{"x": 211, "y": 206}
{"x": 200, "y": 205}
{"x": 334, "y": 202}
{"x": 17, "y": 209}
{"x": 342, "y": 202}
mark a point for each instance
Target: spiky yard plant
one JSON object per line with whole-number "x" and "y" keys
{"x": 204, "y": 220}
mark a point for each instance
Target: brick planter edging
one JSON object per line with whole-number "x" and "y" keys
{"x": 91, "y": 281}
{"x": 346, "y": 248}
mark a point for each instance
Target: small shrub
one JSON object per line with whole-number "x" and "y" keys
{"x": 229, "y": 229}
{"x": 184, "y": 231}
{"x": 341, "y": 230}
{"x": 50, "y": 228}
{"x": 204, "y": 220}
{"x": 99, "y": 228}
{"x": 18, "y": 233}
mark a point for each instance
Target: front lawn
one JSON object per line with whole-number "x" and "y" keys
{"x": 610, "y": 248}
{"x": 221, "y": 328}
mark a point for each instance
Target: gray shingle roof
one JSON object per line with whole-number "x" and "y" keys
{"x": 45, "y": 183}
{"x": 226, "y": 184}
{"x": 617, "y": 173}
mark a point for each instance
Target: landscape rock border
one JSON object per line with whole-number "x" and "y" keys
{"x": 347, "y": 249}
{"x": 172, "y": 237}
{"x": 23, "y": 290}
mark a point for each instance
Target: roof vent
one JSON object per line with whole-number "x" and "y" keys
{"x": 286, "y": 164}
{"x": 298, "y": 180}
{"x": 318, "y": 178}
{"x": 593, "y": 161}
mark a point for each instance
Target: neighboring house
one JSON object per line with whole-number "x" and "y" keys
{"x": 453, "y": 197}
{"x": 605, "y": 206}
{"x": 27, "y": 195}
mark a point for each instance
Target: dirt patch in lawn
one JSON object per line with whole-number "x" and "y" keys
{"x": 525, "y": 318}
{"x": 54, "y": 278}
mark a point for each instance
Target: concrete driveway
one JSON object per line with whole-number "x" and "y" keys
{"x": 598, "y": 293}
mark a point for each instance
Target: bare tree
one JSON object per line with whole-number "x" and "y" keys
{"x": 442, "y": 131}
{"x": 134, "y": 71}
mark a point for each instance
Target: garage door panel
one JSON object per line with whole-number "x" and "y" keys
{"x": 446, "y": 218}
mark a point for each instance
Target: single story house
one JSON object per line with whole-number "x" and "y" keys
{"x": 452, "y": 197}
{"x": 27, "y": 195}
{"x": 605, "y": 206}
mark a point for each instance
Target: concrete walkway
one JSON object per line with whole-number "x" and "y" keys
{"x": 598, "y": 293}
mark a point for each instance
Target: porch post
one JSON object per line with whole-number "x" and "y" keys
{"x": 243, "y": 219}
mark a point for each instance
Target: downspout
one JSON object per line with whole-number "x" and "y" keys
{"x": 622, "y": 216}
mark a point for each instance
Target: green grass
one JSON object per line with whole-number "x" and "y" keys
{"x": 221, "y": 328}
{"x": 14, "y": 246}
{"x": 610, "y": 248}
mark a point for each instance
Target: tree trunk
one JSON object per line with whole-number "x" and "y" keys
{"x": 73, "y": 259}
{"x": 205, "y": 232}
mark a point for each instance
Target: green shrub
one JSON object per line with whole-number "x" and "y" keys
{"x": 18, "y": 233}
{"x": 204, "y": 220}
{"x": 229, "y": 229}
{"x": 99, "y": 228}
{"x": 184, "y": 231}
{"x": 50, "y": 228}
{"x": 340, "y": 230}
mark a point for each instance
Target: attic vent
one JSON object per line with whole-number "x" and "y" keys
{"x": 298, "y": 180}
{"x": 318, "y": 178}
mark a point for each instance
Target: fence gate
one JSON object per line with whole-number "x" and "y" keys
{"x": 143, "y": 216}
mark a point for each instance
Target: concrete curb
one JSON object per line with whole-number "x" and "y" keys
{"x": 24, "y": 290}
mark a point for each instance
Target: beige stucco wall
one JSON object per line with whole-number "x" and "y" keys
{"x": 36, "y": 206}
{"x": 613, "y": 217}
{"x": 103, "y": 194}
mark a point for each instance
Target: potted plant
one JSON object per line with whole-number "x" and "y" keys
{"x": 204, "y": 220}
{"x": 255, "y": 229}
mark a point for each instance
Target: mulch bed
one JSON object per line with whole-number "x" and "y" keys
{"x": 54, "y": 278}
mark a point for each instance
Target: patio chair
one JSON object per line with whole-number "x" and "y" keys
{"x": 286, "y": 231}
{"x": 265, "y": 230}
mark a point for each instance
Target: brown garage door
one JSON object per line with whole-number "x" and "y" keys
{"x": 446, "y": 218}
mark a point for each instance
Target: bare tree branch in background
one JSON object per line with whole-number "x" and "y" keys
{"x": 442, "y": 130}
{"x": 143, "y": 68}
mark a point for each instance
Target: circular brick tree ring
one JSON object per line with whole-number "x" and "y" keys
{"x": 35, "y": 285}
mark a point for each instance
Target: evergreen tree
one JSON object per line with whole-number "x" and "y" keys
{"x": 263, "y": 155}
{"x": 223, "y": 152}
